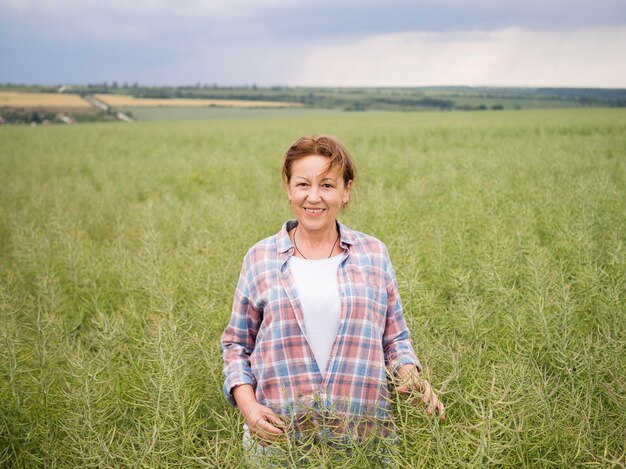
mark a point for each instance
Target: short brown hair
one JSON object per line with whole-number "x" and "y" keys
{"x": 322, "y": 145}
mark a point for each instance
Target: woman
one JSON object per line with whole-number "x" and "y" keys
{"x": 317, "y": 327}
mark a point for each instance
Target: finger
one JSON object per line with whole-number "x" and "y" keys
{"x": 436, "y": 405}
{"x": 442, "y": 411}
{"x": 427, "y": 392}
{"x": 263, "y": 437}
{"x": 434, "y": 401}
{"x": 433, "y": 406}
{"x": 275, "y": 420}
{"x": 417, "y": 384}
{"x": 266, "y": 427}
{"x": 430, "y": 398}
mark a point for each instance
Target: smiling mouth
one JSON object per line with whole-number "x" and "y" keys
{"x": 314, "y": 210}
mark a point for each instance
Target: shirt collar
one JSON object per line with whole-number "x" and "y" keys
{"x": 284, "y": 244}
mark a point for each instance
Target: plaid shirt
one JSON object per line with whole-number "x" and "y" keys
{"x": 265, "y": 344}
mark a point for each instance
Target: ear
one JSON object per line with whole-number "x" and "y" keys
{"x": 346, "y": 193}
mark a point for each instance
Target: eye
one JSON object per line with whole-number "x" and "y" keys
{"x": 327, "y": 186}
{"x": 302, "y": 184}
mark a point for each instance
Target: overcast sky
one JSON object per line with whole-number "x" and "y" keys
{"x": 580, "y": 43}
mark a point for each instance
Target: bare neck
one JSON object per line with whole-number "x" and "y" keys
{"x": 315, "y": 238}
{"x": 315, "y": 244}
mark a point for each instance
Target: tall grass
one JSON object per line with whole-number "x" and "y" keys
{"x": 120, "y": 248}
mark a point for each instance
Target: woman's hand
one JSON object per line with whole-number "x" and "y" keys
{"x": 261, "y": 420}
{"x": 409, "y": 382}
{"x": 263, "y": 423}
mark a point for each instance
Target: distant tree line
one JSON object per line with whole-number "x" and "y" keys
{"x": 443, "y": 98}
{"x": 48, "y": 116}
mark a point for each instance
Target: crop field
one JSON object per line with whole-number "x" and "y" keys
{"x": 41, "y": 100}
{"x": 120, "y": 248}
{"x": 124, "y": 101}
{"x": 201, "y": 113}
{"x": 512, "y": 103}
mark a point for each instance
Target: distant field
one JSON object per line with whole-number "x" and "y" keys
{"x": 121, "y": 246}
{"x": 200, "y": 113}
{"x": 512, "y": 103}
{"x": 124, "y": 101}
{"x": 16, "y": 99}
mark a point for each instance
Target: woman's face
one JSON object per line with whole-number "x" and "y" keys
{"x": 316, "y": 196}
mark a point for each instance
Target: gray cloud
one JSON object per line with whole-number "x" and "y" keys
{"x": 505, "y": 57}
{"x": 245, "y": 41}
{"x": 368, "y": 18}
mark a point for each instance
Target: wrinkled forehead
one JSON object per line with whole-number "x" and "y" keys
{"x": 315, "y": 167}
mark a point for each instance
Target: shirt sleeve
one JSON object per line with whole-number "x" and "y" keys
{"x": 239, "y": 337}
{"x": 397, "y": 342}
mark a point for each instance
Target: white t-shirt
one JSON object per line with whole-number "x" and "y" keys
{"x": 318, "y": 291}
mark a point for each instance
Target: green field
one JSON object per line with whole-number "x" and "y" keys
{"x": 203, "y": 113}
{"x": 120, "y": 247}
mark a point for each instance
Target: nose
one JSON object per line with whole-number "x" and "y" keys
{"x": 314, "y": 195}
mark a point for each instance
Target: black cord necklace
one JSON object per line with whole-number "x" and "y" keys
{"x": 298, "y": 249}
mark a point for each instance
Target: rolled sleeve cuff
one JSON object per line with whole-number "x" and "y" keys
{"x": 406, "y": 359}
{"x": 409, "y": 360}
{"x": 231, "y": 383}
